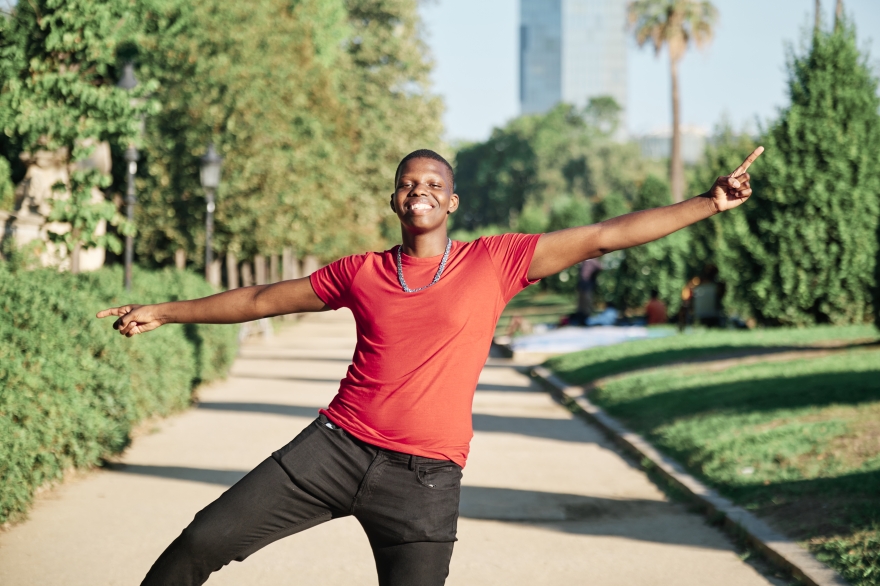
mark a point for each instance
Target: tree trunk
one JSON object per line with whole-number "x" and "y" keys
{"x": 818, "y": 23}
{"x": 180, "y": 259}
{"x": 213, "y": 272}
{"x": 310, "y": 264}
{"x": 676, "y": 165}
{"x": 273, "y": 268}
{"x": 74, "y": 258}
{"x": 260, "y": 269}
{"x": 247, "y": 277}
{"x": 838, "y": 14}
{"x": 231, "y": 271}
{"x": 289, "y": 264}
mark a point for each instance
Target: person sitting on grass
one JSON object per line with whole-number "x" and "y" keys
{"x": 390, "y": 448}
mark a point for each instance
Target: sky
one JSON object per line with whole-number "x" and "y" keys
{"x": 741, "y": 76}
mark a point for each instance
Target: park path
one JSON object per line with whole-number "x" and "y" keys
{"x": 546, "y": 499}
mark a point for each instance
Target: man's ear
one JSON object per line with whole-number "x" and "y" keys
{"x": 391, "y": 203}
{"x": 453, "y": 204}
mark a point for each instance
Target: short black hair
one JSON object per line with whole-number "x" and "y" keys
{"x": 425, "y": 154}
{"x": 655, "y": 294}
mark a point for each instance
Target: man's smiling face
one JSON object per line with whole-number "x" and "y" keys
{"x": 423, "y": 196}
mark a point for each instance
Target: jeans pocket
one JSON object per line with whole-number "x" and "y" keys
{"x": 439, "y": 476}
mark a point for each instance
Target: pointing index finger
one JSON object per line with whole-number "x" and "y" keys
{"x": 748, "y": 162}
{"x": 112, "y": 311}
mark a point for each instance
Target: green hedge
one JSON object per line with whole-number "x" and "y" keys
{"x": 71, "y": 388}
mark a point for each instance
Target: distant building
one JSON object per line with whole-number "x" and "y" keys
{"x": 658, "y": 144}
{"x": 570, "y": 51}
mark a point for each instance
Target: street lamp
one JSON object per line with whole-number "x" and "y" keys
{"x": 210, "y": 176}
{"x": 128, "y": 83}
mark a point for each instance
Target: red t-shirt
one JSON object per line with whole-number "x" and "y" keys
{"x": 411, "y": 383}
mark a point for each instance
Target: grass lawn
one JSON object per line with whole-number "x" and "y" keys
{"x": 589, "y": 365}
{"x": 797, "y": 442}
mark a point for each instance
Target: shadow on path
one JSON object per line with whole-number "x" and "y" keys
{"x": 295, "y": 379}
{"x": 639, "y": 519}
{"x": 532, "y": 388}
{"x": 541, "y": 427}
{"x": 266, "y": 408}
{"x": 203, "y": 475}
{"x": 305, "y": 379}
{"x": 284, "y": 358}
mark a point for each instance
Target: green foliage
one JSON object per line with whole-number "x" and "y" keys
{"x": 659, "y": 265}
{"x": 71, "y": 388}
{"x": 471, "y": 235}
{"x": 804, "y": 251}
{"x": 532, "y": 220}
{"x": 7, "y": 188}
{"x": 711, "y": 239}
{"x": 568, "y": 212}
{"x": 536, "y": 159}
{"x": 547, "y": 172}
{"x": 611, "y": 206}
{"x": 311, "y": 103}
{"x": 58, "y": 93}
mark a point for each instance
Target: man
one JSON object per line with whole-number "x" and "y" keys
{"x": 655, "y": 311}
{"x": 390, "y": 447}
{"x": 586, "y": 286}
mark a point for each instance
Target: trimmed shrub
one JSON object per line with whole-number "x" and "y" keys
{"x": 804, "y": 251}
{"x": 71, "y": 388}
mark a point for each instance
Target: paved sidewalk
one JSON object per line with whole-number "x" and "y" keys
{"x": 546, "y": 500}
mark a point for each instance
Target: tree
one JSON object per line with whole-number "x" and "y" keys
{"x": 659, "y": 265}
{"x": 674, "y": 24}
{"x": 805, "y": 250}
{"x": 393, "y": 110}
{"x": 312, "y": 104}
{"x": 58, "y": 94}
{"x": 535, "y": 159}
{"x": 711, "y": 240}
{"x": 257, "y": 80}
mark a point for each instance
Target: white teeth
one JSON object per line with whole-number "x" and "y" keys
{"x": 420, "y": 206}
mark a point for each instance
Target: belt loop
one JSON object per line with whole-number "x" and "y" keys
{"x": 412, "y": 462}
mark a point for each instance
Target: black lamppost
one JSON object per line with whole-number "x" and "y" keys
{"x": 128, "y": 83}
{"x": 210, "y": 176}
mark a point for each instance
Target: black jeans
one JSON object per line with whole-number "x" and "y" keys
{"x": 408, "y": 506}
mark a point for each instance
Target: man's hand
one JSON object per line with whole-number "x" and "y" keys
{"x": 133, "y": 319}
{"x": 732, "y": 190}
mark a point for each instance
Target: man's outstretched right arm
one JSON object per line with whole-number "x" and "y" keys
{"x": 236, "y": 306}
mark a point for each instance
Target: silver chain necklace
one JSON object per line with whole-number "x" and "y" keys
{"x": 436, "y": 277}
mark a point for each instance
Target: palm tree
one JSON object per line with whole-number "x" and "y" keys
{"x": 674, "y": 24}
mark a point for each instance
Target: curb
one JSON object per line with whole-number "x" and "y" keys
{"x": 777, "y": 548}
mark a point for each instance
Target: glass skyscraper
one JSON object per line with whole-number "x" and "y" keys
{"x": 570, "y": 51}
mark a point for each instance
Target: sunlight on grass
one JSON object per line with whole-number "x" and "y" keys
{"x": 588, "y": 365}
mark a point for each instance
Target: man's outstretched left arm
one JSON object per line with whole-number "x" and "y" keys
{"x": 559, "y": 250}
